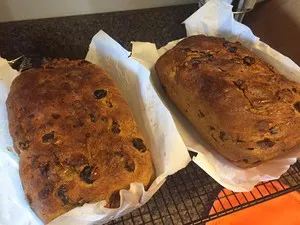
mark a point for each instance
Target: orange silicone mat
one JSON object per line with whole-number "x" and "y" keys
{"x": 283, "y": 210}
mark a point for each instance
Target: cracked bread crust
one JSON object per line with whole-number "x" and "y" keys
{"x": 238, "y": 103}
{"x": 76, "y": 138}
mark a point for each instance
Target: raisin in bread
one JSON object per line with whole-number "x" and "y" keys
{"x": 76, "y": 137}
{"x": 236, "y": 101}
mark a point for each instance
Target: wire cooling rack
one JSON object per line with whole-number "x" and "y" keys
{"x": 192, "y": 197}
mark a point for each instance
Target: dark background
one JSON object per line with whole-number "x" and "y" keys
{"x": 70, "y": 36}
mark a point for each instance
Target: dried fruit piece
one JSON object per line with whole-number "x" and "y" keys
{"x": 95, "y": 174}
{"x": 99, "y": 94}
{"x": 109, "y": 104}
{"x": 104, "y": 119}
{"x": 115, "y": 127}
{"x": 222, "y": 135}
{"x": 48, "y": 137}
{"x": 24, "y": 145}
{"x": 195, "y": 63}
{"x": 248, "y": 60}
{"x": 85, "y": 174}
{"x": 211, "y": 127}
{"x": 44, "y": 170}
{"x": 129, "y": 165}
{"x": 61, "y": 193}
{"x": 274, "y": 130}
{"x": 232, "y": 49}
{"x": 241, "y": 84}
{"x": 78, "y": 123}
{"x": 226, "y": 44}
{"x": 210, "y": 57}
{"x": 92, "y": 117}
{"x": 297, "y": 106}
{"x": 200, "y": 114}
{"x": 89, "y": 174}
{"x": 266, "y": 143}
{"x": 55, "y": 116}
{"x": 46, "y": 191}
{"x": 138, "y": 143}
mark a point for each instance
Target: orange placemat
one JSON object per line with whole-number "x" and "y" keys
{"x": 283, "y": 210}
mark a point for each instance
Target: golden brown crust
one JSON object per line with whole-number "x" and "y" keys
{"x": 237, "y": 102}
{"x": 76, "y": 137}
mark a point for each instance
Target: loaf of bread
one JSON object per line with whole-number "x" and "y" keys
{"x": 238, "y": 103}
{"x": 76, "y": 137}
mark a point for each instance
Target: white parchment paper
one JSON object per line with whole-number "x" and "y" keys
{"x": 168, "y": 150}
{"x": 215, "y": 18}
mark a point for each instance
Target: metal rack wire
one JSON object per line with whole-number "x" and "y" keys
{"x": 192, "y": 197}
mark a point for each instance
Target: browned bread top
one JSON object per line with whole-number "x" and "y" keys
{"x": 238, "y": 103}
{"x": 76, "y": 137}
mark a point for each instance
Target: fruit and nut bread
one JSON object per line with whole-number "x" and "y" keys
{"x": 237, "y": 102}
{"x": 76, "y": 137}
